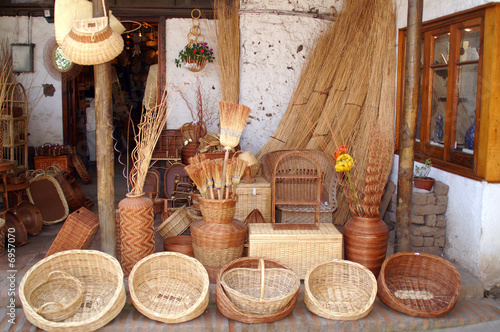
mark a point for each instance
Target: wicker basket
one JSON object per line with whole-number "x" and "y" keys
{"x": 218, "y": 211}
{"x": 421, "y": 285}
{"x": 340, "y": 290}
{"x": 169, "y": 287}
{"x": 231, "y": 311}
{"x": 175, "y": 224}
{"x": 58, "y": 298}
{"x": 46, "y": 194}
{"x": 182, "y": 244}
{"x": 260, "y": 291}
{"x": 102, "y": 279}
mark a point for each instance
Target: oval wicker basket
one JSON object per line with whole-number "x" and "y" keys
{"x": 260, "y": 291}
{"x": 340, "y": 290}
{"x": 169, "y": 287}
{"x": 421, "y": 285}
{"x": 175, "y": 224}
{"x": 58, "y": 298}
{"x": 231, "y": 311}
{"x": 103, "y": 289}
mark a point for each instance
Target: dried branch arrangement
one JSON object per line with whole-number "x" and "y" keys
{"x": 344, "y": 90}
{"x": 227, "y": 33}
{"x": 149, "y": 130}
{"x": 207, "y": 176}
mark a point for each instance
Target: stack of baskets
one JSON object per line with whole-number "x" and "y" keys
{"x": 74, "y": 290}
{"x": 218, "y": 239}
{"x": 256, "y": 290}
{"x": 169, "y": 287}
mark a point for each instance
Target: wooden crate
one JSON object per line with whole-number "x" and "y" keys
{"x": 77, "y": 232}
{"x": 42, "y": 162}
{"x": 298, "y": 249}
{"x": 251, "y": 196}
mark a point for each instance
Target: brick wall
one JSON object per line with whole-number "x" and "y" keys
{"x": 428, "y": 224}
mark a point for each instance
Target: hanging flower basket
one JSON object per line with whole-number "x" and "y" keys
{"x": 195, "y": 56}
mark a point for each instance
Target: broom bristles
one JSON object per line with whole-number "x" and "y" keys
{"x": 233, "y": 118}
{"x": 196, "y": 174}
{"x": 216, "y": 166}
{"x": 239, "y": 166}
{"x": 228, "y": 176}
{"x": 207, "y": 170}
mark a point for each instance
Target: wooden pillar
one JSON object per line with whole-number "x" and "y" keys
{"x": 408, "y": 126}
{"x": 104, "y": 149}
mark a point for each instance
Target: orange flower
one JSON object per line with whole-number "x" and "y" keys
{"x": 202, "y": 50}
{"x": 194, "y": 51}
{"x": 341, "y": 150}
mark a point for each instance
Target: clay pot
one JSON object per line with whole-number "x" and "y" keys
{"x": 136, "y": 230}
{"x": 365, "y": 241}
{"x": 423, "y": 183}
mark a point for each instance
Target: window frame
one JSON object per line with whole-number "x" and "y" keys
{"x": 446, "y": 157}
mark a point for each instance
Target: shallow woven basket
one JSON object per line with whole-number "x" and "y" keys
{"x": 181, "y": 243}
{"x": 175, "y": 224}
{"x": 58, "y": 298}
{"x": 231, "y": 311}
{"x": 260, "y": 291}
{"x": 340, "y": 290}
{"x": 169, "y": 287}
{"x": 421, "y": 285}
{"x": 103, "y": 289}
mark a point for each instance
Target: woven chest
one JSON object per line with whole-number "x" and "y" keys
{"x": 254, "y": 195}
{"x": 298, "y": 249}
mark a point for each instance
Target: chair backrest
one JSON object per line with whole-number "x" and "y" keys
{"x": 325, "y": 161}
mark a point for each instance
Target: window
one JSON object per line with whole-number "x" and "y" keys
{"x": 454, "y": 108}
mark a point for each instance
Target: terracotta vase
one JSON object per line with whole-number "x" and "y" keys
{"x": 189, "y": 150}
{"x": 365, "y": 242}
{"x": 136, "y": 230}
{"x": 423, "y": 183}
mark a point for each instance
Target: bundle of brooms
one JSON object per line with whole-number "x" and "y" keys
{"x": 344, "y": 90}
{"x": 208, "y": 177}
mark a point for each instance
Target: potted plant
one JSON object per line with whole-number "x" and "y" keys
{"x": 421, "y": 179}
{"x": 194, "y": 56}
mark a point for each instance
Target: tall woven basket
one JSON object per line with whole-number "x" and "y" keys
{"x": 136, "y": 230}
{"x": 103, "y": 289}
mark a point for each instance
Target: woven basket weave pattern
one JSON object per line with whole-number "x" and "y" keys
{"x": 136, "y": 230}
{"x": 169, "y": 287}
{"x": 175, "y": 224}
{"x": 218, "y": 211}
{"x": 104, "y": 291}
{"x": 217, "y": 257}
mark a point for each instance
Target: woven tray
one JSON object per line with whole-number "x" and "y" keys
{"x": 229, "y": 310}
{"x": 340, "y": 290}
{"x": 47, "y": 195}
{"x": 420, "y": 285}
{"x": 77, "y": 232}
{"x": 169, "y": 287}
{"x": 175, "y": 224}
{"x": 103, "y": 295}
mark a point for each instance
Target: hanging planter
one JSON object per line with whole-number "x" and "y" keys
{"x": 195, "y": 55}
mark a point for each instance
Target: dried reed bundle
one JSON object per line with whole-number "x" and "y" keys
{"x": 149, "y": 130}
{"x": 197, "y": 174}
{"x": 343, "y": 90}
{"x": 216, "y": 167}
{"x": 227, "y": 33}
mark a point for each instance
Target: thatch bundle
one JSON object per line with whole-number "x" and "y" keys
{"x": 346, "y": 87}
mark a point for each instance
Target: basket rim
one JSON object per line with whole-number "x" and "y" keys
{"x": 390, "y": 300}
{"x": 59, "y": 191}
{"x": 119, "y": 292}
{"x": 319, "y": 309}
{"x": 177, "y": 318}
{"x": 256, "y": 299}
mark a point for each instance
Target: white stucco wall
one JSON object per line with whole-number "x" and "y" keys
{"x": 473, "y": 209}
{"x": 45, "y": 123}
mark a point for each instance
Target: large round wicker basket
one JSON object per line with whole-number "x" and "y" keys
{"x": 340, "y": 290}
{"x": 169, "y": 287}
{"x": 103, "y": 289}
{"x": 418, "y": 284}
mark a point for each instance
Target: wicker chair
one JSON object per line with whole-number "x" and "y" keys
{"x": 297, "y": 163}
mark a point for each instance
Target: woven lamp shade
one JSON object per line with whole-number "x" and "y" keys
{"x": 99, "y": 48}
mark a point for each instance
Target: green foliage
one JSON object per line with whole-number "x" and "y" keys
{"x": 422, "y": 171}
{"x": 194, "y": 53}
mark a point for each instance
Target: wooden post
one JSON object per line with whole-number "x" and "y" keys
{"x": 104, "y": 149}
{"x": 408, "y": 126}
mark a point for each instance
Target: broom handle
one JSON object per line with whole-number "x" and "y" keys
{"x": 226, "y": 157}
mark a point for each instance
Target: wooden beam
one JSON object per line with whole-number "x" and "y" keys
{"x": 104, "y": 149}
{"x": 408, "y": 126}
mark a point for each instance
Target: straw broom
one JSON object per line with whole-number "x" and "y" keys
{"x": 239, "y": 166}
{"x": 197, "y": 174}
{"x": 233, "y": 118}
{"x": 228, "y": 176}
{"x": 216, "y": 168}
{"x": 207, "y": 170}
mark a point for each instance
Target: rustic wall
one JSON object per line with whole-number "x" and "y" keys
{"x": 45, "y": 124}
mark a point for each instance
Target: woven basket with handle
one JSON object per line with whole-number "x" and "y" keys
{"x": 260, "y": 291}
